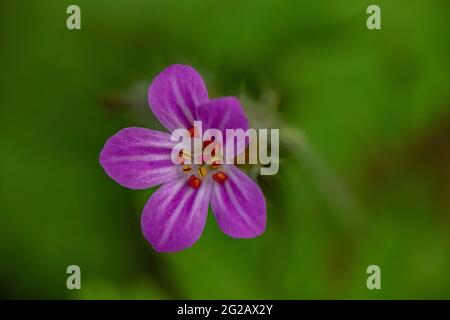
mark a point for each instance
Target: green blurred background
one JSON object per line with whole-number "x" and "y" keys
{"x": 364, "y": 120}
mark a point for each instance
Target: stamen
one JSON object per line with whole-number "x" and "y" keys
{"x": 194, "y": 182}
{"x": 202, "y": 171}
{"x": 186, "y": 168}
{"x": 183, "y": 155}
{"x": 186, "y": 154}
{"x": 220, "y": 177}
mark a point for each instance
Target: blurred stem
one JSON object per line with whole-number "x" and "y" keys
{"x": 332, "y": 187}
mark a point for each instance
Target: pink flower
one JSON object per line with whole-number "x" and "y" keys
{"x": 138, "y": 158}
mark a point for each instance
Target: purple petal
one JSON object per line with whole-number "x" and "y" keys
{"x": 222, "y": 113}
{"x": 175, "y": 216}
{"x": 239, "y": 205}
{"x": 139, "y": 158}
{"x": 174, "y": 95}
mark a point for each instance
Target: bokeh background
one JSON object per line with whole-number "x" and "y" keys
{"x": 364, "y": 119}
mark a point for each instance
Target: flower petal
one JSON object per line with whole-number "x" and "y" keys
{"x": 239, "y": 205}
{"x": 222, "y": 113}
{"x": 174, "y": 95}
{"x": 139, "y": 158}
{"x": 175, "y": 216}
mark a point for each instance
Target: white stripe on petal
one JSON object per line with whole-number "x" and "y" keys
{"x": 149, "y": 157}
{"x": 171, "y": 222}
{"x": 203, "y": 192}
{"x": 237, "y": 206}
{"x": 181, "y": 103}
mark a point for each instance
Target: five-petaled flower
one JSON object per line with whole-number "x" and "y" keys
{"x": 138, "y": 158}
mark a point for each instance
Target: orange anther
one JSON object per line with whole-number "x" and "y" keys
{"x": 194, "y": 182}
{"x": 220, "y": 177}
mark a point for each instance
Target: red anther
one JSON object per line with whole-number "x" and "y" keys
{"x": 192, "y": 131}
{"x": 194, "y": 182}
{"x": 220, "y": 177}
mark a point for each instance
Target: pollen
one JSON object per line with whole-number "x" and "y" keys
{"x": 194, "y": 182}
{"x": 202, "y": 171}
{"x": 186, "y": 168}
{"x": 220, "y": 177}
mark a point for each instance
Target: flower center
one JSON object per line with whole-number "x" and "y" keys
{"x": 199, "y": 172}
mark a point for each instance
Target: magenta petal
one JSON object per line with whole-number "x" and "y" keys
{"x": 174, "y": 95}
{"x": 222, "y": 113}
{"x": 139, "y": 158}
{"x": 175, "y": 216}
{"x": 239, "y": 205}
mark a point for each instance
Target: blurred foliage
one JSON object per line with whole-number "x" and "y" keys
{"x": 365, "y": 126}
